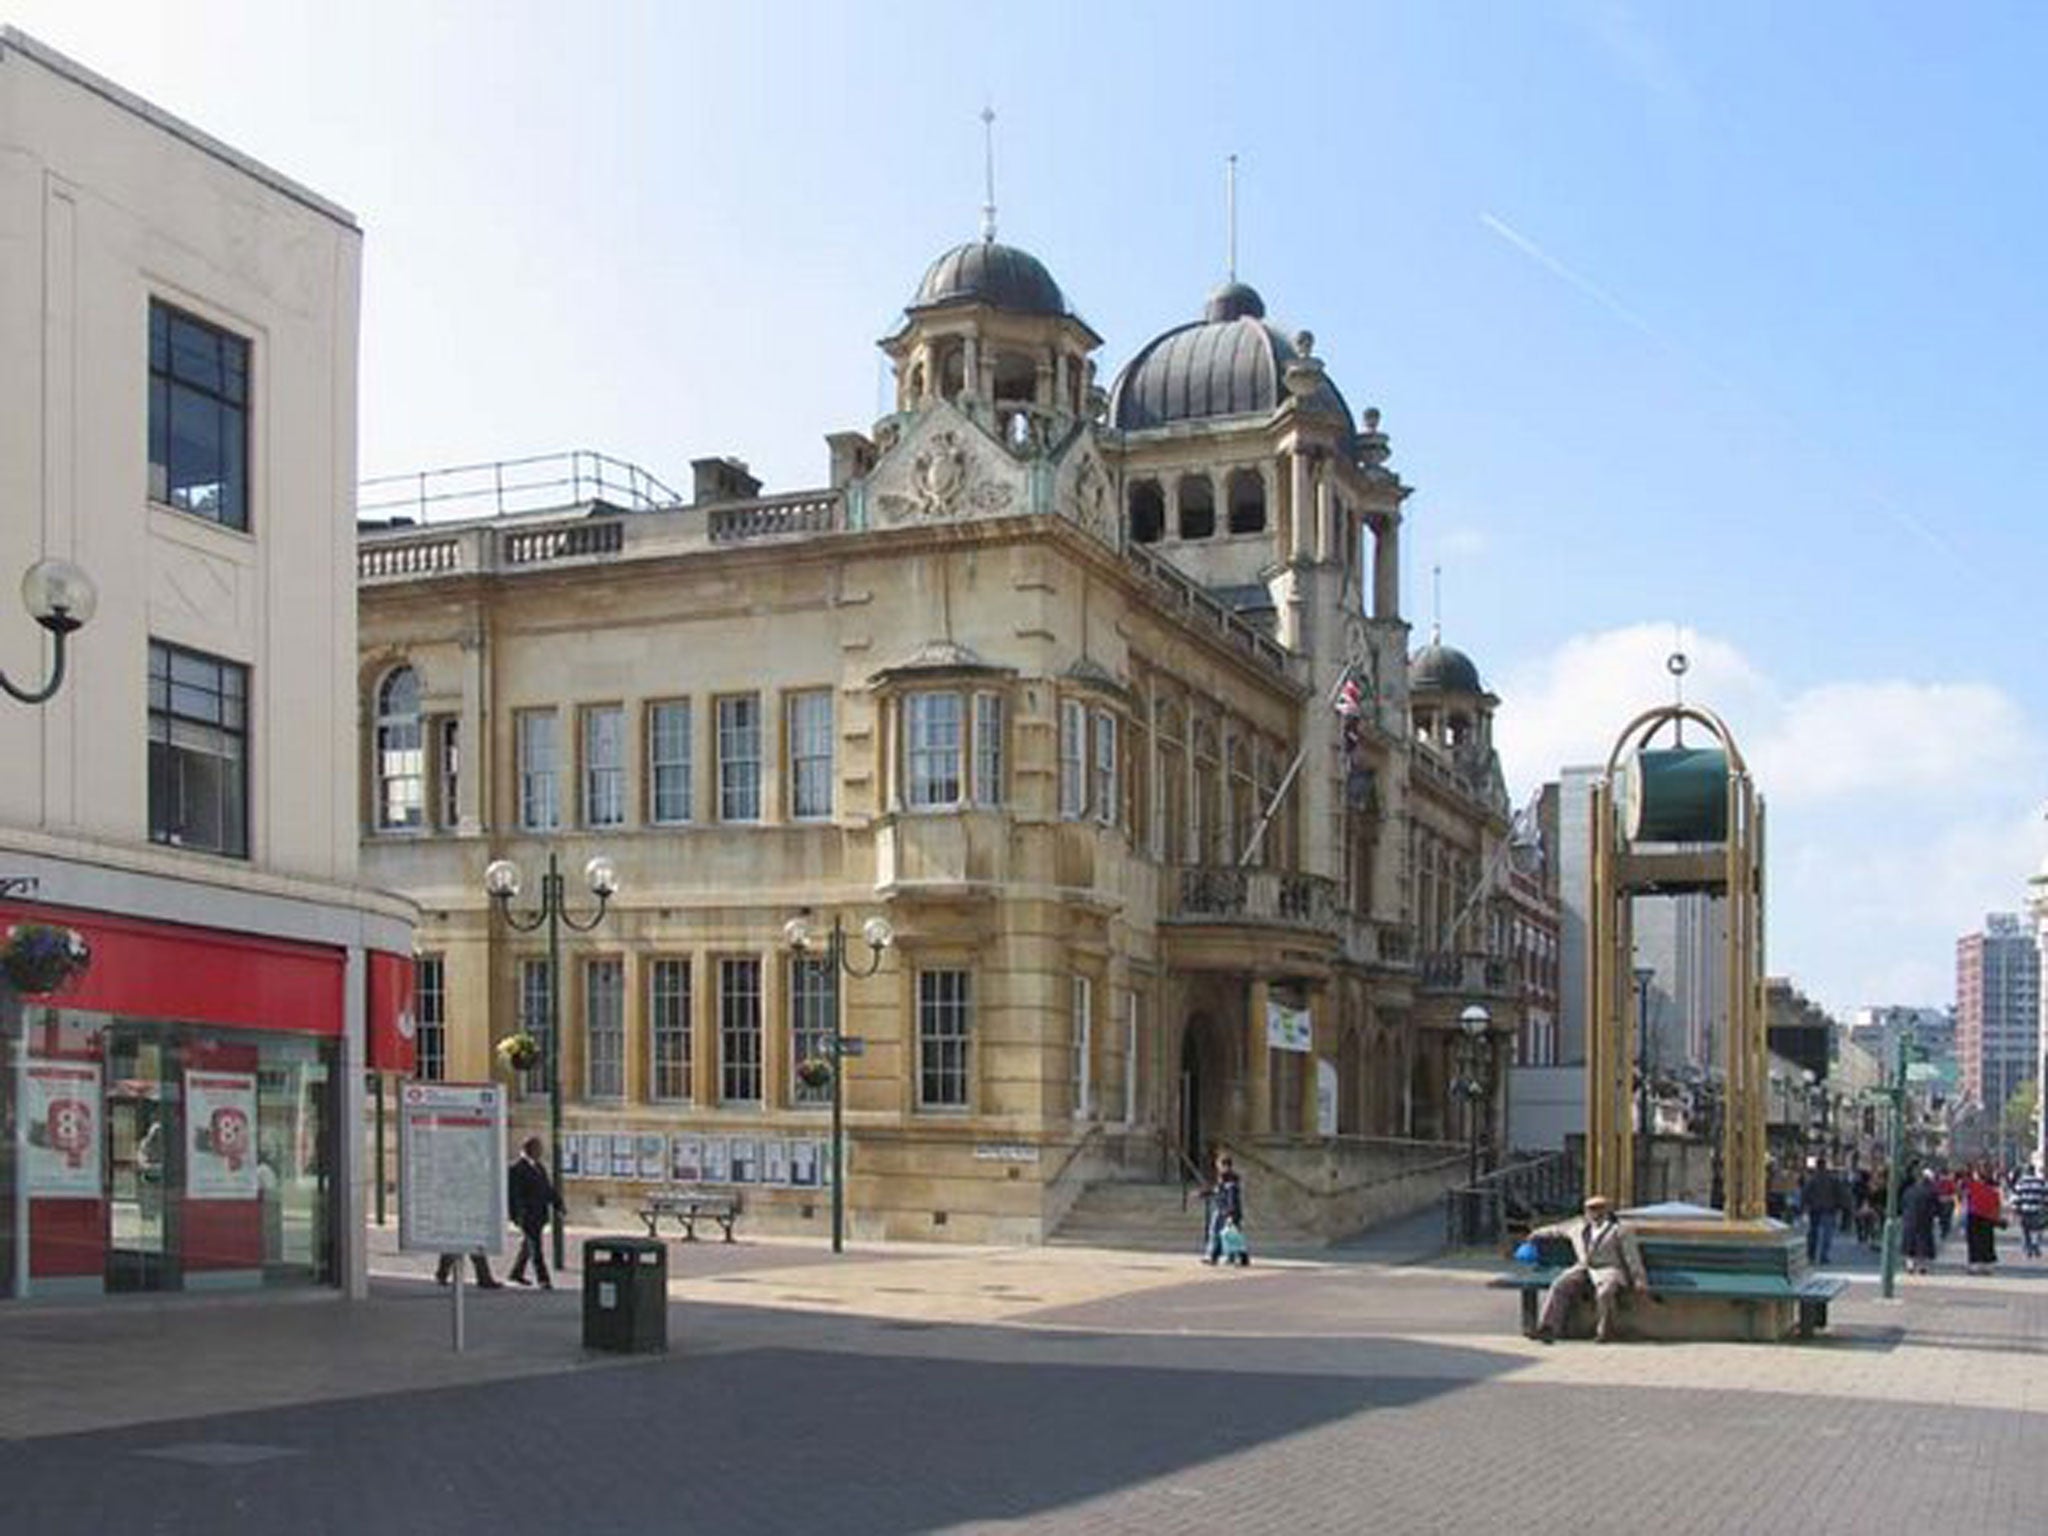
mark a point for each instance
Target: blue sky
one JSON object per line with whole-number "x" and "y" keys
{"x": 1720, "y": 321}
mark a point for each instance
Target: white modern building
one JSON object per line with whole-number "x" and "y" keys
{"x": 178, "y": 421}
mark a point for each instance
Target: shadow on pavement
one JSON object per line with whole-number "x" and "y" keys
{"x": 855, "y": 1442}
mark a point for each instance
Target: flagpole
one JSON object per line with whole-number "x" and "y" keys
{"x": 1265, "y": 820}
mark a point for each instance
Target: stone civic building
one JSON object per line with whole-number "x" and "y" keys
{"x": 1025, "y": 679}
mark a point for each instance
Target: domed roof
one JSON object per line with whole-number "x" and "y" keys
{"x": 1229, "y": 363}
{"x": 1000, "y": 276}
{"x": 1234, "y": 300}
{"x": 1440, "y": 668}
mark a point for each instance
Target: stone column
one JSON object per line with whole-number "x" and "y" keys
{"x": 1386, "y": 569}
{"x": 1301, "y": 533}
{"x": 1258, "y": 1120}
{"x": 1322, "y": 1008}
{"x": 474, "y": 768}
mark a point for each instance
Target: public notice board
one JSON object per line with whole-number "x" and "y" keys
{"x": 451, "y": 1168}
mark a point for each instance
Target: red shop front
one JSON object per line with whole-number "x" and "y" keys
{"x": 177, "y": 1112}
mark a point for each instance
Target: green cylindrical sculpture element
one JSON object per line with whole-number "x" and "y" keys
{"x": 1678, "y": 795}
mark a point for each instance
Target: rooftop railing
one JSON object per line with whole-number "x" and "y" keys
{"x": 543, "y": 483}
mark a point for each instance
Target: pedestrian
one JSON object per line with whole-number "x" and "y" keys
{"x": 2030, "y": 1204}
{"x": 1224, "y": 1200}
{"x": 1863, "y": 1197}
{"x": 533, "y": 1199}
{"x": 1945, "y": 1195}
{"x": 1607, "y": 1261}
{"x": 1983, "y": 1215}
{"x": 1919, "y": 1209}
{"x": 479, "y": 1265}
{"x": 1820, "y": 1197}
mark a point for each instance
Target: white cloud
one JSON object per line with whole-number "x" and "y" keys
{"x": 1900, "y": 811}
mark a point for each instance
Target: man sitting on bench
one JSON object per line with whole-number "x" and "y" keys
{"x": 1608, "y": 1259}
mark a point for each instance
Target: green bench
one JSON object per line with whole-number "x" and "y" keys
{"x": 1682, "y": 1267}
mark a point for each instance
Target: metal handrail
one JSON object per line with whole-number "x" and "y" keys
{"x": 1074, "y": 1151}
{"x": 1189, "y": 1172}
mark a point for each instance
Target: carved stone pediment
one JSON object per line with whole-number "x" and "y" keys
{"x": 1083, "y": 492}
{"x": 943, "y": 468}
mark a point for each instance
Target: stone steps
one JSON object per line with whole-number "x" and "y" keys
{"x": 1149, "y": 1218}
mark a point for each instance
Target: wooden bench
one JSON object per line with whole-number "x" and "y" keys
{"x": 1766, "y": 1270}
{"x": 687, "y": 1207}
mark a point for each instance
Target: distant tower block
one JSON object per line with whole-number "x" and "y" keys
{"x": 1671, "y": 820}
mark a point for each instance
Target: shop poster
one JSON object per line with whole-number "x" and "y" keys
{"x": 62, "y": 1106}
{"x": 220, "y": 1150}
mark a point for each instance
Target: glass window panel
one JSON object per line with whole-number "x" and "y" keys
{"x": 668, "y": 749}
{"x": 943, "y": 1034}
{"x": 739, "y": 758}
{"x": 604, "y": 766}
{"x": 988, "y": 749}
{"x": 813, "y": 1019}
{"x": 810, "y": 755}
{"x": 739, "y": 1031}
{"x": 669, "y": 1075}
{"x": 934, "y": 726}
{"x": 198, "y": 772}
{"x": 430, "y": 1017}
{"x": 1073, "y": 758}
{"x": 535, "y": 749}
{"x": 604, "y": 1028}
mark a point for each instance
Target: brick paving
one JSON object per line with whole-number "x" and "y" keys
{"x": 1137, "y": 1396}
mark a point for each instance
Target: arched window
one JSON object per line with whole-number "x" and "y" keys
{"x": 1247, "y": 501}
{"x": 401, "y": 752}
{"x": 1148, "y": 512}
{"x": 1197, "y": 499}
{"x": 1016, "y": 377}
{"x": 952, "y": 370}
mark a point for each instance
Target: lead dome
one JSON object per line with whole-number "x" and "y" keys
{"x": 1231, "y": 362}
{"x": 1000, "y": 276}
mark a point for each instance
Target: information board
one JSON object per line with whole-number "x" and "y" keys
{"x": 451, "y": 1168}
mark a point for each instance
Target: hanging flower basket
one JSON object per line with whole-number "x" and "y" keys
{"x": 519, "y": 1052}
{"x": 814, "y": 1072}
{"x": 37, "y": 958}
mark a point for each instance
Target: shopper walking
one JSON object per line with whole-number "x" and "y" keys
{"x": 1983, "y": 1215}
{"x": 2030, "y": 1204}
{"x": 1919, "y": 1209}
{"x": 1820, "y": 1197}
{"x": 532, "y": 1196}
{"x": 1225, "y": 1201}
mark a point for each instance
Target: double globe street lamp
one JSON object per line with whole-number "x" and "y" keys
{"x": 799, "y": 935}
{"x": 501, "y": 882}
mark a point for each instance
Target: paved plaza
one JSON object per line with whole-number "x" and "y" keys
{"x": 911, "y": 1389}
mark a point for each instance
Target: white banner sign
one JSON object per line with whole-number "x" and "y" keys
{"x": 62, "y": 1107}
{"x": 1326, "y": 1096}
{"x": 220, "y": 1136}
{"x": 451, "y": 1168}
{"x": 1289, "y": 1029}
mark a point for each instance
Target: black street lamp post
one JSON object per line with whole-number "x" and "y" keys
{"x": 1474, "y": 1082}
{"x": 878, "y": 936}
{"x": 501, "y": 882}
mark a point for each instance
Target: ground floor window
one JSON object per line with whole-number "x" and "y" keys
{"x": 944, "y": 1032}
{"x": 161, "y": 1156}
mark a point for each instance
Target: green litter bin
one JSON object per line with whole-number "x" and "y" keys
{"x": 625, "y": 1294}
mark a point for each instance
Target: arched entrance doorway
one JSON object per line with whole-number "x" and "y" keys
{"x": 1204, "y": 1085}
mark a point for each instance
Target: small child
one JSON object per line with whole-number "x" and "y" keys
{"x": 1234, "y": 1250}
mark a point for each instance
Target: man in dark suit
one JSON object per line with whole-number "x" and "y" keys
{"x": 532, "y": 1198}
